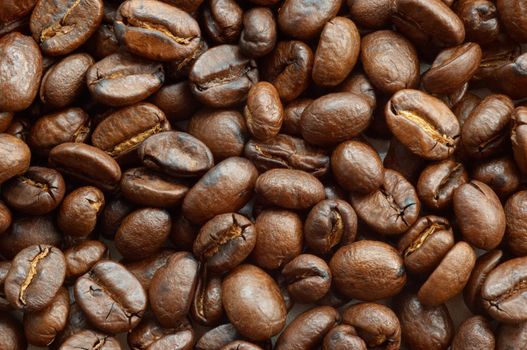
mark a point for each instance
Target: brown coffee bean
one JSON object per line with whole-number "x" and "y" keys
{"x": 391, "y": 209}
{"x": 258, "y": 36}
{"x": 11, "y": 333}
{"x": 183, "y": 232}
{"x": 240, "y": 345}
{"x": 474, "y": 333}
{"x": 103, "y": 42}
{"x": 423, "y": 123}
{"x": 371, "y": 14}
{"x": 368, "y": 270}
{"x": 450, "y": 276}
{"x": 376, "y": 324}
{"x": 6, "y": 218}
{"x": 290, "y": 189}
{"x": 263, "y": 112}
{"x": 13, "y": 10}
{"x": 14, "y": 157}
{"x": 145, "y": 269}
{"x": 113, "y": 213}
{"x": 207, "y": 308}
{"x": 217, "y": 337}
{"x": 176, "y": 101}
{"x": 78, "y": 212}
{"x": 465, "y": 106}
{"x": 90, "y": 340}
{"x": 516, "y": 215}
{"x": 222, "y": 21}
{"x": 501, "y": 174}
{"x": 36, "y": 274}
{"x": 511, "y": 336}
{"x": 359, "y": 84}
{"x": 171, "y": 304}
{"x": 480, "y": 19}
{"x": 107, "y": 77}
{"x": 307, "y": 277}
{"x": 149, "y": 334}
{"x": 519, "y": 137}
{"x": 5, "y": 120}
{"x": 402, "y": 160}
{"x": 511, "y": 78}
{"x": 253, "y": 302}
{"x": 512, "y": 17}
{"x": 425, "y": 244}
{"x": 81, "y": 257}
{"x": 497, "y": 55}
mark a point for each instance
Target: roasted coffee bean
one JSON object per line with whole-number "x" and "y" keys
{"x": 438, "y": 181}
{"x": 480, "y": 19}
{"x": 15, "y": 156}
{"x": 479, "y": 215}
{"x": 278, "y": 238}
{"x": 307, "y": 277}
{"x": 263, "y": 112}
{"x": 368, "y": 270}
{"x": 496, "y": 55}
{"x": 61, "y": 27}
{"x": 103, "y": 42}
{"x": 222, "y": 21}
{"x": 77, "y": 322}
{"x": 5, "y": 120}
{"x": 180, "y": 69}
{"x": 86, "y": 163}
{"x": 240, "y": 345}
{"x": 423, "y": 123}
{"x": 170, "y": 304}
{"x": 400, "y": 71}
{"x": 227, "y": 187}
{"x": 142, "y": 233}
{"x": 111, "y": 297}
{"x": 337, "y": 52}
{"x": 303, "y": 19}
{"x": 11, "y": 333}
{"x": 501, "y": 174}
{"x": 36, "y": 274}
{"x": 222, "y": 76}
{"x": 253, "y": 302}
{"x": 343, "y": 337}
{"x": 258, "y": 37}
{"x": 113, "y": 213}
{"x": 4, "y": 269}
{"x": 391, "y": 209}
{"x": 308, "y": 330}
{"x": 450, "y": 276}
{"x": 223, "y": 131}
{"x": 359, "y": 84}
{"x": 41, "y": 327}
{"x": 78, "y": 212}
{"x": 474, "y": 333}
{"x": 357, "y": 167}
{"x": 176, "y": 101}
{"x": 371, "y": 14}
{"x": 145, "y": 269}
{"x": 516, "y": 223}
{"x": 292, "y": 116}
{"x": 424, "y": 327}
{"x": 452, "y": 68}
{"x": 81, "y": 257}
{"x": 20, "y": 72}
{"x": 107, "y": 77}
{"x": 288, "y": 67}
{"x": 284, "y": 151}
{"x": 351, "y": 112}
{"x": 519, "y": 137}
{"x": 156, "y": 30}
{"x": 189, "y": 6}
{"x": 6, "y": 218}
{"x": 511, "y": 336}
{"x": 68, "y": 125}
{"x": 218, "y": 337}
{"x": 472, "y": 292}
{"x": 376, "y": 324}
{"x": 13, "y": 10}
{"x": 207, "y": 308}
{"x": 225, "y": 241}
{"x": 290, "y": 189}
{"x": 329, "y": 223}
{"x": 512, "y": 17}
{"x": 183, "y": 232}
{"x": 465, "y": 106}
{"x": 511, "y": 78}
{"x": 402, "y": 160}
{"x": 425, "y": 244}
{"x": 149, "y": 334}
{"x": 143, "y": 186}
{"x": 90, "y": 340}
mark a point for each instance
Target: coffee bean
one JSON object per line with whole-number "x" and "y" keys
{"x": 11, "y": 333}
{"x": 515, "y": 28}
{"x": 149, "y": 334}
{"x": 519, "y": 137}
{"x": 90, "y": 340}
{"x": 176, "y": 101}
{"x": 14, "y": 157}
{"x": 240, "y": 345}
{"x": 81, "y": 257}
{"x": 480, "y": 19}
{"x": 474, "y": 333}
{"x": 4, "y": 269}
{"x": 145, "y": 269}
{"x": 402, "y": 160}
{"x": 516, "y": 222}
{"x": 79, "y": 210}
{"x": 259, "y": 34}
{"x": 511, "y": 336}
{"x": 371, "y": 14}
{"x": 207, "y": 307}
{"x": 501, "y": 174}
{"x": 113, "y": 213}
{"x": 222, "y": 21}
{"x": 307, "y": 277}
{"x": 263, "y": 112}
{"x": 217, "y": 337}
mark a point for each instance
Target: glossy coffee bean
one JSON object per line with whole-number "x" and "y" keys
{"x": 6, "y": 218}
{"x": 240, "y": 345}
{"x": 78, "y": 212}
{"x": 222, "y": 21}
{"x": 34, "y": 278}
{"x": 113, "y": 213}
{"x": 81, "y": 257}
{"x": 402, "y": 160}
{"x": 11, "y": 333}
{"x": 207, "y": 307}
{"x": 218, "y": 337}
{"x": 13, "y": 10}
{"x": 259, "y": 33}
{"x": 516, "y": 223}
{"x": 263, "y": 112}
{"x": 253, "y": 302}
{"x": 512, "y": 16}
{"x": 343, "y": 337}
{"x": 149, "y": 334}
{"x": 176, "y": 101}
{"x": 480, "y": 19}
{"x": 5, "y": 120}
{"x": 308, "y": 278}
{"x": 511, "y": 336}
{"x": 111, "y": 297}
{"x": 499, "y": 173}
{"x": 92, "y": 340}
{"x": 368, "y": 270}
{"x": 519, "y": 137}
{"x": 224, "y": 242}
{"x": 465, "y": 106}
{"x": 474, "y": 333}
{"x": 14, "y": 157}
{"x": 145, "y": 269}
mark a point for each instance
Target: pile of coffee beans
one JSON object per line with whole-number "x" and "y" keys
{"x": 263, "y": 174}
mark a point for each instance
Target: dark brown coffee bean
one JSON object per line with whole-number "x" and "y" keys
{"x": 472, "y": 292}
{"x": 512, "y": 16}
{"x": 368, "y": 270}
{"x": 288, "y": 67}
{"x": 171, "y": 304}
{"x": 65, "y": 81}
{"x": 146, "y": 187}
{"x": 176, "y": 101}
{"x": 207, "y": 308}
{"x": 329, "y": 223}
{"x": 258, "y": 37}
{"x": 424, "y": 327}
{"x": 343, "y": 337}
{"x": 290, "y": 189}
{"x": 496, "y": 55}
{"x": 450, "y": 276}
{"x": 77, "y": 322}
{"x": 14, "y": 157}
{"x": 519, "y": 137}
{"x": 145, "y": 269}
{"x": 81, "y": 257}
{"x": 171, "y": 33}
{"x": 371, "y": 14}
{"x": 357, "y": 167}
{"x": 218, "y": 337}
{"x": 12, "y": 10}
{"x": 222, "y": 21}
{"x": 107, "y": 77}
{"x": 278, "y": 238}
{"x": 474, "y": 333}
{"x": 292, "y": 115}
{"x": 180, "y": 69}
{"x": 69, "y": 125}
{"x": 391, "y": 209}
{"x": 263, "y": 112}
{"x": 90, "y": 340}
{"x": 423, "y": 123}
{"x": 222, "y": 76}
{"x": 113, "y": 213}
{"x": 516, "y": 215}
{"x": 21, "y": 70}
{"x": 41, "y": 327}
{"x": 425, "y": 244}
{"x": 5, "y": 120}
{"x": 227, "y": 187}
{"x": 337, "y": 52}
{"x": 11, "y": 333}
{"x": 511, "y": 78}
{"x": 149, "y": 334}
{"x": 307, "y": 277}
{"x": 35, "y": 276}
{"x": 399, "y": 72}
{"x": 402, "y": 160}
{"x": 103, "y": 42}
{"x": 183, "y": 232}
{"x": 359, "y": 84}
{"x": 111, "y": 297}
{"x": 479, "y": 215}
{"x": 284, "y": 151}
{"x": 351, "y": 112}
{"x": 240, "y": 345}
{"x": 253, "y": 302}
{"x": 464, "y": 107}
{"x": 189, "y": 6}
{"x": 86, "y": 163}
{"x": 376, "y": 324}
{"x": 308, "y": 330}
{"x": 303, "y": 19}
{"x": 480, "y": 19}
{"x": 511, "y": 336}
{"x": 61, "y": 27}
{"x": 4, "y": 269}
{"x": 438, "y": 182}
{"x": 501, "y": 174}
{"x": 79, "y": 210}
